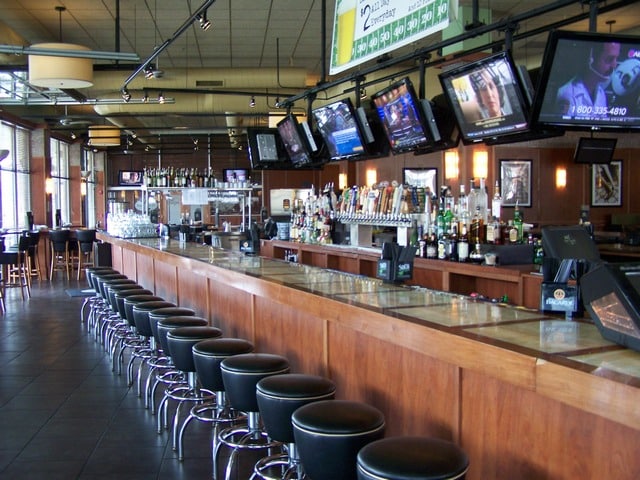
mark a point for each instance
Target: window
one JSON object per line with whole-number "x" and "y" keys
{"x": 89, "y": 188}
{"x": 15, "y": 200}
{"x": 60, "y": 179}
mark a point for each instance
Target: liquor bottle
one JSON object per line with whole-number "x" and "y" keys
{"x": 432, "y": 246}
{"x": 476, "y": 226}
{"x": 452, "y": 243}
{"x": 472, "y": 199}
{"x": 518, "y": 223}
{"x": 463, "y": 245}
{"x": 483, "y": 201}
{"x": 496, "y": 202}
{"x": 493, "y": 231}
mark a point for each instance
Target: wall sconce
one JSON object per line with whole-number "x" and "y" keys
{"x": 342, "y": 181}
{"x": 451, "y": 169}
{"x": 83, "y": 188}
{"x": 480, "y": 164}
{"x": 372, "y": 176}
{"x": 48, "y": 186}
{"x": 561, "y": 177}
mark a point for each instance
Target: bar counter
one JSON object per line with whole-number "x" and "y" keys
{"x": 528, "y": 396}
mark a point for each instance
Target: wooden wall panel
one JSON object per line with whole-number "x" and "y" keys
{"x": 543, "y": 444}
{"x": 190, "y": 288}
{"x": 129, "y": 264}
{"x": 296, "y": 334}
{"x": 144, "y": 270}
{"x": 416, "y": 393}
{"x": 231, "y": 310}
{"x": 166, "y": 281}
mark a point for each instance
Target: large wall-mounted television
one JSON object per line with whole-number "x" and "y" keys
{"x": 299, "y": 142}
{"x": 266, "y": 150}
{"x": 589, "y": 81}
{"x": 488, "y": 98}
{"x": 408, "y": 124}
{"x": 340, "y": 129}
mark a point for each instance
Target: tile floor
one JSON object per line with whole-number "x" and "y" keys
{"x": 64, "y": 414}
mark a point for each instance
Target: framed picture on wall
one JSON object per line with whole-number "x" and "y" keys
{"x": 515, "y": 182}
{"x": 421, "y": 177}
{"x": 606, "y": 184}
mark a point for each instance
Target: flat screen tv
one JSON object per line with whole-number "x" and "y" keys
{"x": 446, "y": 124}
{"x": 589, "y": 81}
{"x": 488, "y": 98}
{"x": 403, "y": 117}
{"x": 571, "y": 242}
{"x": 298, "y": 141}
{"x": 340, "y": 129}
{"x": 594, "y": 150}
{"x": 235, "y": 174}
{"x": 266, "y": 150}
{"x": 130, "y": 178}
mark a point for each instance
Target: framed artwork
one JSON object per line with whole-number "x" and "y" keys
{"x": 515, "y": 182}
{"x": 421, "y": 177}
{"x": 606, "y": 184}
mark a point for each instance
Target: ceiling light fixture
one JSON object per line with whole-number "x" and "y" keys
{"x": 145, "y": 97}
{"x": 126, "y": 96}
{"x": 60, "y": 72}
{"x": 252, "y": 102}
{"x": 204, "y": 22}
{"x": 363, "y": 93}
{"x": 148, "y": 72}
{"x": 73, "y": 136}
{"x": 161, "y": 98}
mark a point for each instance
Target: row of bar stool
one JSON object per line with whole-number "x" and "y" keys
{"x": 294, "y": 417}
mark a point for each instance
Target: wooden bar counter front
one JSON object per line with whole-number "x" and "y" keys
{"x": 527, "y": 396}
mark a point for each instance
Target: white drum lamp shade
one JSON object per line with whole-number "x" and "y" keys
{"x": 51, "y": 71}
{"x": 104, "y": 136}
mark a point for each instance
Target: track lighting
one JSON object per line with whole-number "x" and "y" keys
{"x": 126, "y": 96}
{"x": 145, "y": 97}
{"x": 363, "y": 93}
{"x": 252, "y": 102}
{"x": 161, "y": 98}
{"x": 278, "y": 102}
{"x": 204, "y": 22}
{"x": 73, "y": 136}
{"x": 148, "y": 72}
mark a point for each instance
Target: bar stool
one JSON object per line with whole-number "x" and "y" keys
{"x": 137, "y": 335}
{"x": 15, "y": 268}
{"x": 90, "y": 301}
{"x": 85, "y": 248}
{"x": 207, "y": 356}
{"x": 170, "y": 376}
{"x": 330, "y": 433}
{"x": 33, "y": 257}
{"x": 159, "y": 364}
{"x": 278, "y": 397}
{"x": 412, "y": 458}
{"x": 62, "y": 252}
{"x": 240, "y": 374}
{"x": 181, "y": 341}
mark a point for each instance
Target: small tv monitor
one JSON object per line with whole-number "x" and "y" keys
{"x": 594, "y": 150}
{"x": 130, "y": 178}
{"x": 611, "y": 295}
{"x": 266, "y": 150}
{"x": 488, "y": 98}
{"x": 589, "y": 81}
{"x": 446, "y": 124}
{"x": 403, "y": 117}
{"x": 340, "y": 130}
{"x": 571, "y": 242}
{"x": 296, "y": 141}
{"x": 235, "y": 174}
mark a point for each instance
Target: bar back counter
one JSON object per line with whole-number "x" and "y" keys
{"x": 527, "y": 396}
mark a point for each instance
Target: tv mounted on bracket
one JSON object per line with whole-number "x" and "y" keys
{"x": 338, "y": 125}
{"x": 266, "y": 150}
{"x": 488, "y": 98}
{"x": 592, "y": 150}
{"x": 589, "y": 81}
{"x": 446, "y": 124}
{"x": 299, "y": 142}
{"x": 408, "y": 123}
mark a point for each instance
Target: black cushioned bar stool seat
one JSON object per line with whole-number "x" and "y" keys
{"x": 240, "y": 375}
{"x": 330, "y": 433}
{"x": 412, "y": 458}
{"x": 160, "y": 361}
{"x": 278, "y": 397}
{"x": 181, "y": 341}
{"x": 207, "y": 356}
{"x": 170, "y": 376}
